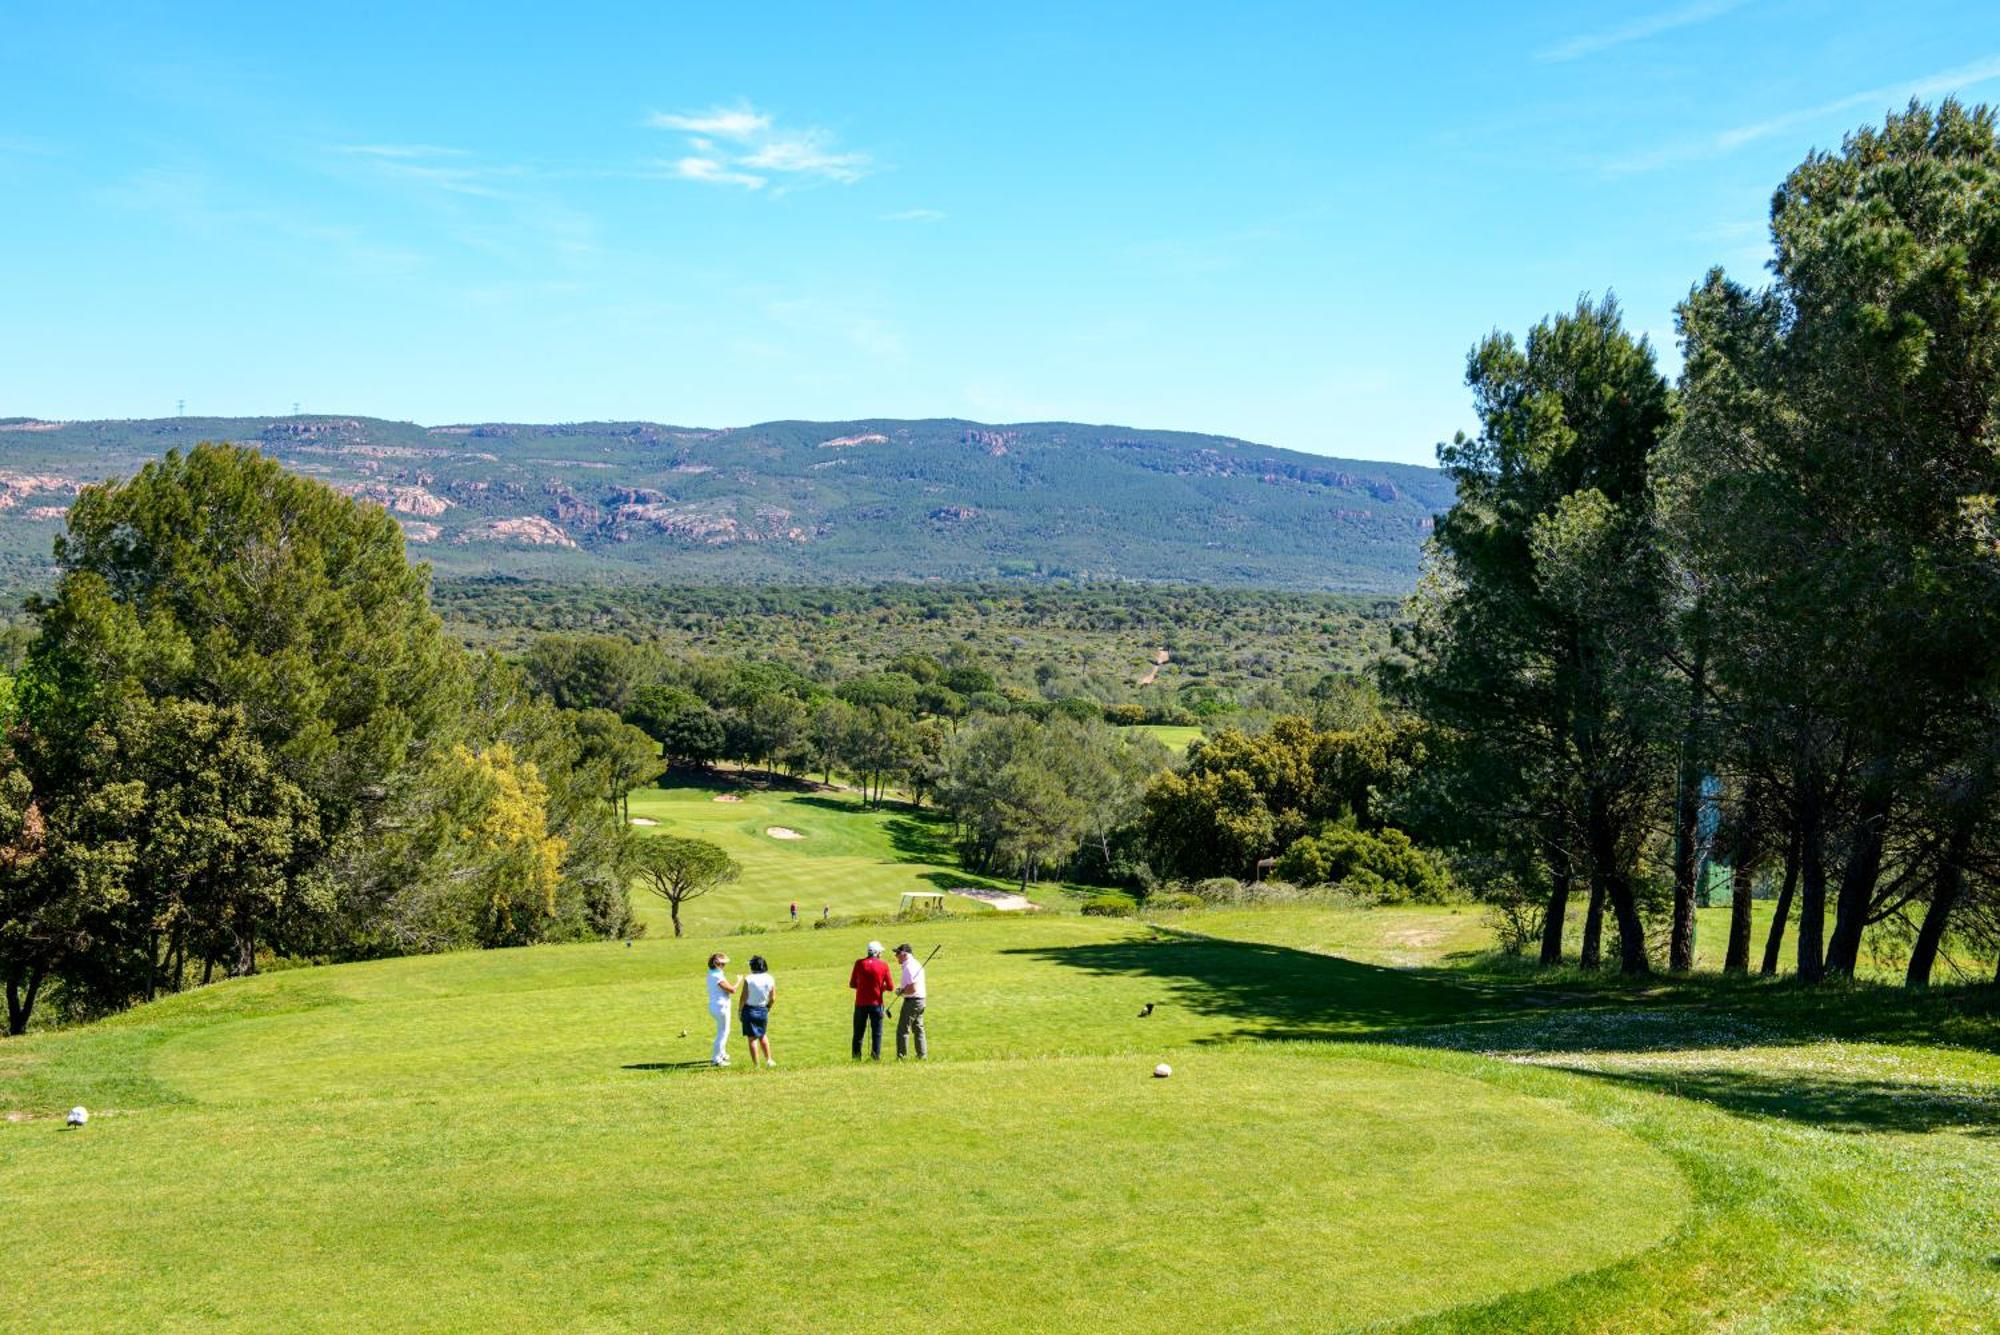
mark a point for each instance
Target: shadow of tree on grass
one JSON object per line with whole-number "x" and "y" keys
{"x": 1282, "y": 993}
{"x": 1830, "y": 1102}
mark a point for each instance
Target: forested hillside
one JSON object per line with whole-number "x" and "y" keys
{"x": 820, "y": 501}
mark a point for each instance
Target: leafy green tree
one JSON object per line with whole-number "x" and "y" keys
{"x": 679, "y": 870}
{"x": 219, "y": 578}
{"x": 1538, "y": 652}
{"x": 1831, "y": 476}
{"x": 585, "y": 671}
{"x": 1383, "y": 864}
{"x": 624, "y": 756}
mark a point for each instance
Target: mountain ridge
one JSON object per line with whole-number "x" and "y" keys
{"x": 801, "y": 500}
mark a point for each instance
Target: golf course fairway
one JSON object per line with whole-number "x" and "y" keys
{"x": 524, "y": 1139}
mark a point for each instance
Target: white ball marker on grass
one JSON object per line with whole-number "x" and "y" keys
{"x": 79, "y": 1115}
{"x": 1162, "y": 1071}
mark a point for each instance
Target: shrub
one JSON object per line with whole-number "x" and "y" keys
{"x": 1383, "y": 864}
{"x": 1109, "y": 906}
{"x": 750, "y": 929}
{"x": 1218, "y": 890}
{"x": 1169, "y": 900}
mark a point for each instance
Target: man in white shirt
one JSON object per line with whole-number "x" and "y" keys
{"x": 910, "y": 1019}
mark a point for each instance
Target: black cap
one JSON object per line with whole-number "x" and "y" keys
{"x": 904, "y": 949}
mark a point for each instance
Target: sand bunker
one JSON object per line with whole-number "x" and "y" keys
{"x": 1004, "y": 900}
{"x": 644, "y": 820}
{"x": 725, "y": 797}
{"x": 780, "y": 832}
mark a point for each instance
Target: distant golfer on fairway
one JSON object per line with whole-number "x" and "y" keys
{"x": 870, "y": 980}
{"x": 759, "y": 990}
{"x": 910, "y": 1019}
{"x": 720, "y": 990}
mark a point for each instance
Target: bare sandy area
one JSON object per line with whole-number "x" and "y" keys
{"x": 1004, "y": 900}
{"x": 782, "y": 832}
{"x": 644, "y": 820}
{"x": 725, "y": 797}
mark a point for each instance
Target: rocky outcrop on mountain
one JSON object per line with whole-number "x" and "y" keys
{"x": 418, "y": 501}
{"x": 416, "y": 530}
{"x": 527, "y": 530}
{"x": 843, "y": 442}
{"x": 16, "y": 488}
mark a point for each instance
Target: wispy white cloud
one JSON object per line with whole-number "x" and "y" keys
{"x": 1874, "y": 100}
{"x": 739, "y": 123}
{"x": 714, "y": 172}
{"x": 744, "y": 147}
{"x": 1638, "y": 30}
{"x": 915, "y": 216}
{"x": 810, "y": 154}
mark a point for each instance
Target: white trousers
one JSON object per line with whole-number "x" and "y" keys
{"x": 721, "y": 1034}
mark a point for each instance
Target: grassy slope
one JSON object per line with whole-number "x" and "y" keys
{"x": 512, "y": 1138}
{"x": 1363, "y": 1097}
{"x": 851, "y": 860}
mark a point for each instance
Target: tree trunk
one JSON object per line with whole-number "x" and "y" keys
{"x": 674, "y": 912}
{"x": 1744, "y": 855}
{"x": 246, "y": 944}
{"x": 1687, "y": 822}
{"x": 1812, "y": 897}
{"x": 207, "y": 966}
{"x": 1945, "y": 890}
{"x": 1617, "y": 890}
{"x": 1591, "y": 956}
{"x": 1776, "y": 940}
{"x": 1552, "y": 917}
{"x": 1857, "y": 881}
{"x": 21, "y": 1000}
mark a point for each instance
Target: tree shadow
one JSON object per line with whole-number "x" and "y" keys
{"x": 1856, "y": 1104}
{"x": 1277, "y": 992}
{"x": 1280, "y": 992}
{"x": 917, "y": 840}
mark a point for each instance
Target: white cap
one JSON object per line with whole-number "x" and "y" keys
{"x": 874, "y": 947}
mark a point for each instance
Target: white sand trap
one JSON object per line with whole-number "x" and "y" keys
{"x": 780, "y": 832}
{"x": 725, "y": 797}
{"x": 644, "y": 820}
{"x": 1005, "y": 900}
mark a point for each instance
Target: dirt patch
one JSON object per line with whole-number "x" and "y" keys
{"x": 644, "y": 820}
{"x": 1160, "y": 659}
{"x": 725, "y": 797}
{"x": 782, "y": 832}
{"x": 1004, "y": 900}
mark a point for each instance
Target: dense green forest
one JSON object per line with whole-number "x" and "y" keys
{"x": 1224, "y": 649}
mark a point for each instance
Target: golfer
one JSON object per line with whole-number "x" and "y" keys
{"x": 910, "y": 1019}
{"x": 759, "y": 990}
{"x": 870, "y": 980}
{"x": 720, "y": 990}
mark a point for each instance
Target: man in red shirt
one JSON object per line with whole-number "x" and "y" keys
{"x": 870, "y": 981}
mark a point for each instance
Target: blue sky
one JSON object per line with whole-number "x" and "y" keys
{"x": 1284, "y": 222}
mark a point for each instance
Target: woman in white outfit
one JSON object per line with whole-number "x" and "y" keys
{"x": 720, "y": 990}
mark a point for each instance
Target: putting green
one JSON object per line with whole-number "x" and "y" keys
{"x": 522, "y": 1138}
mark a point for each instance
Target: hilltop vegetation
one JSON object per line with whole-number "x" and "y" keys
{"x": 848, "y": 502}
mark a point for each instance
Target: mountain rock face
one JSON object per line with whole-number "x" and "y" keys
{"x": 821, "y": 501}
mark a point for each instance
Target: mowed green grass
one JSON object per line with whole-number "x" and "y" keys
{"x": 848, "y": 859}
{"x": 524, "y": 1138}
{"x": 1372, "y": 1123}
{"x": 1174, "y": 737}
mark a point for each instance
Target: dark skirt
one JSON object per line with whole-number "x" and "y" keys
{"x": 755, "y": 1020}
